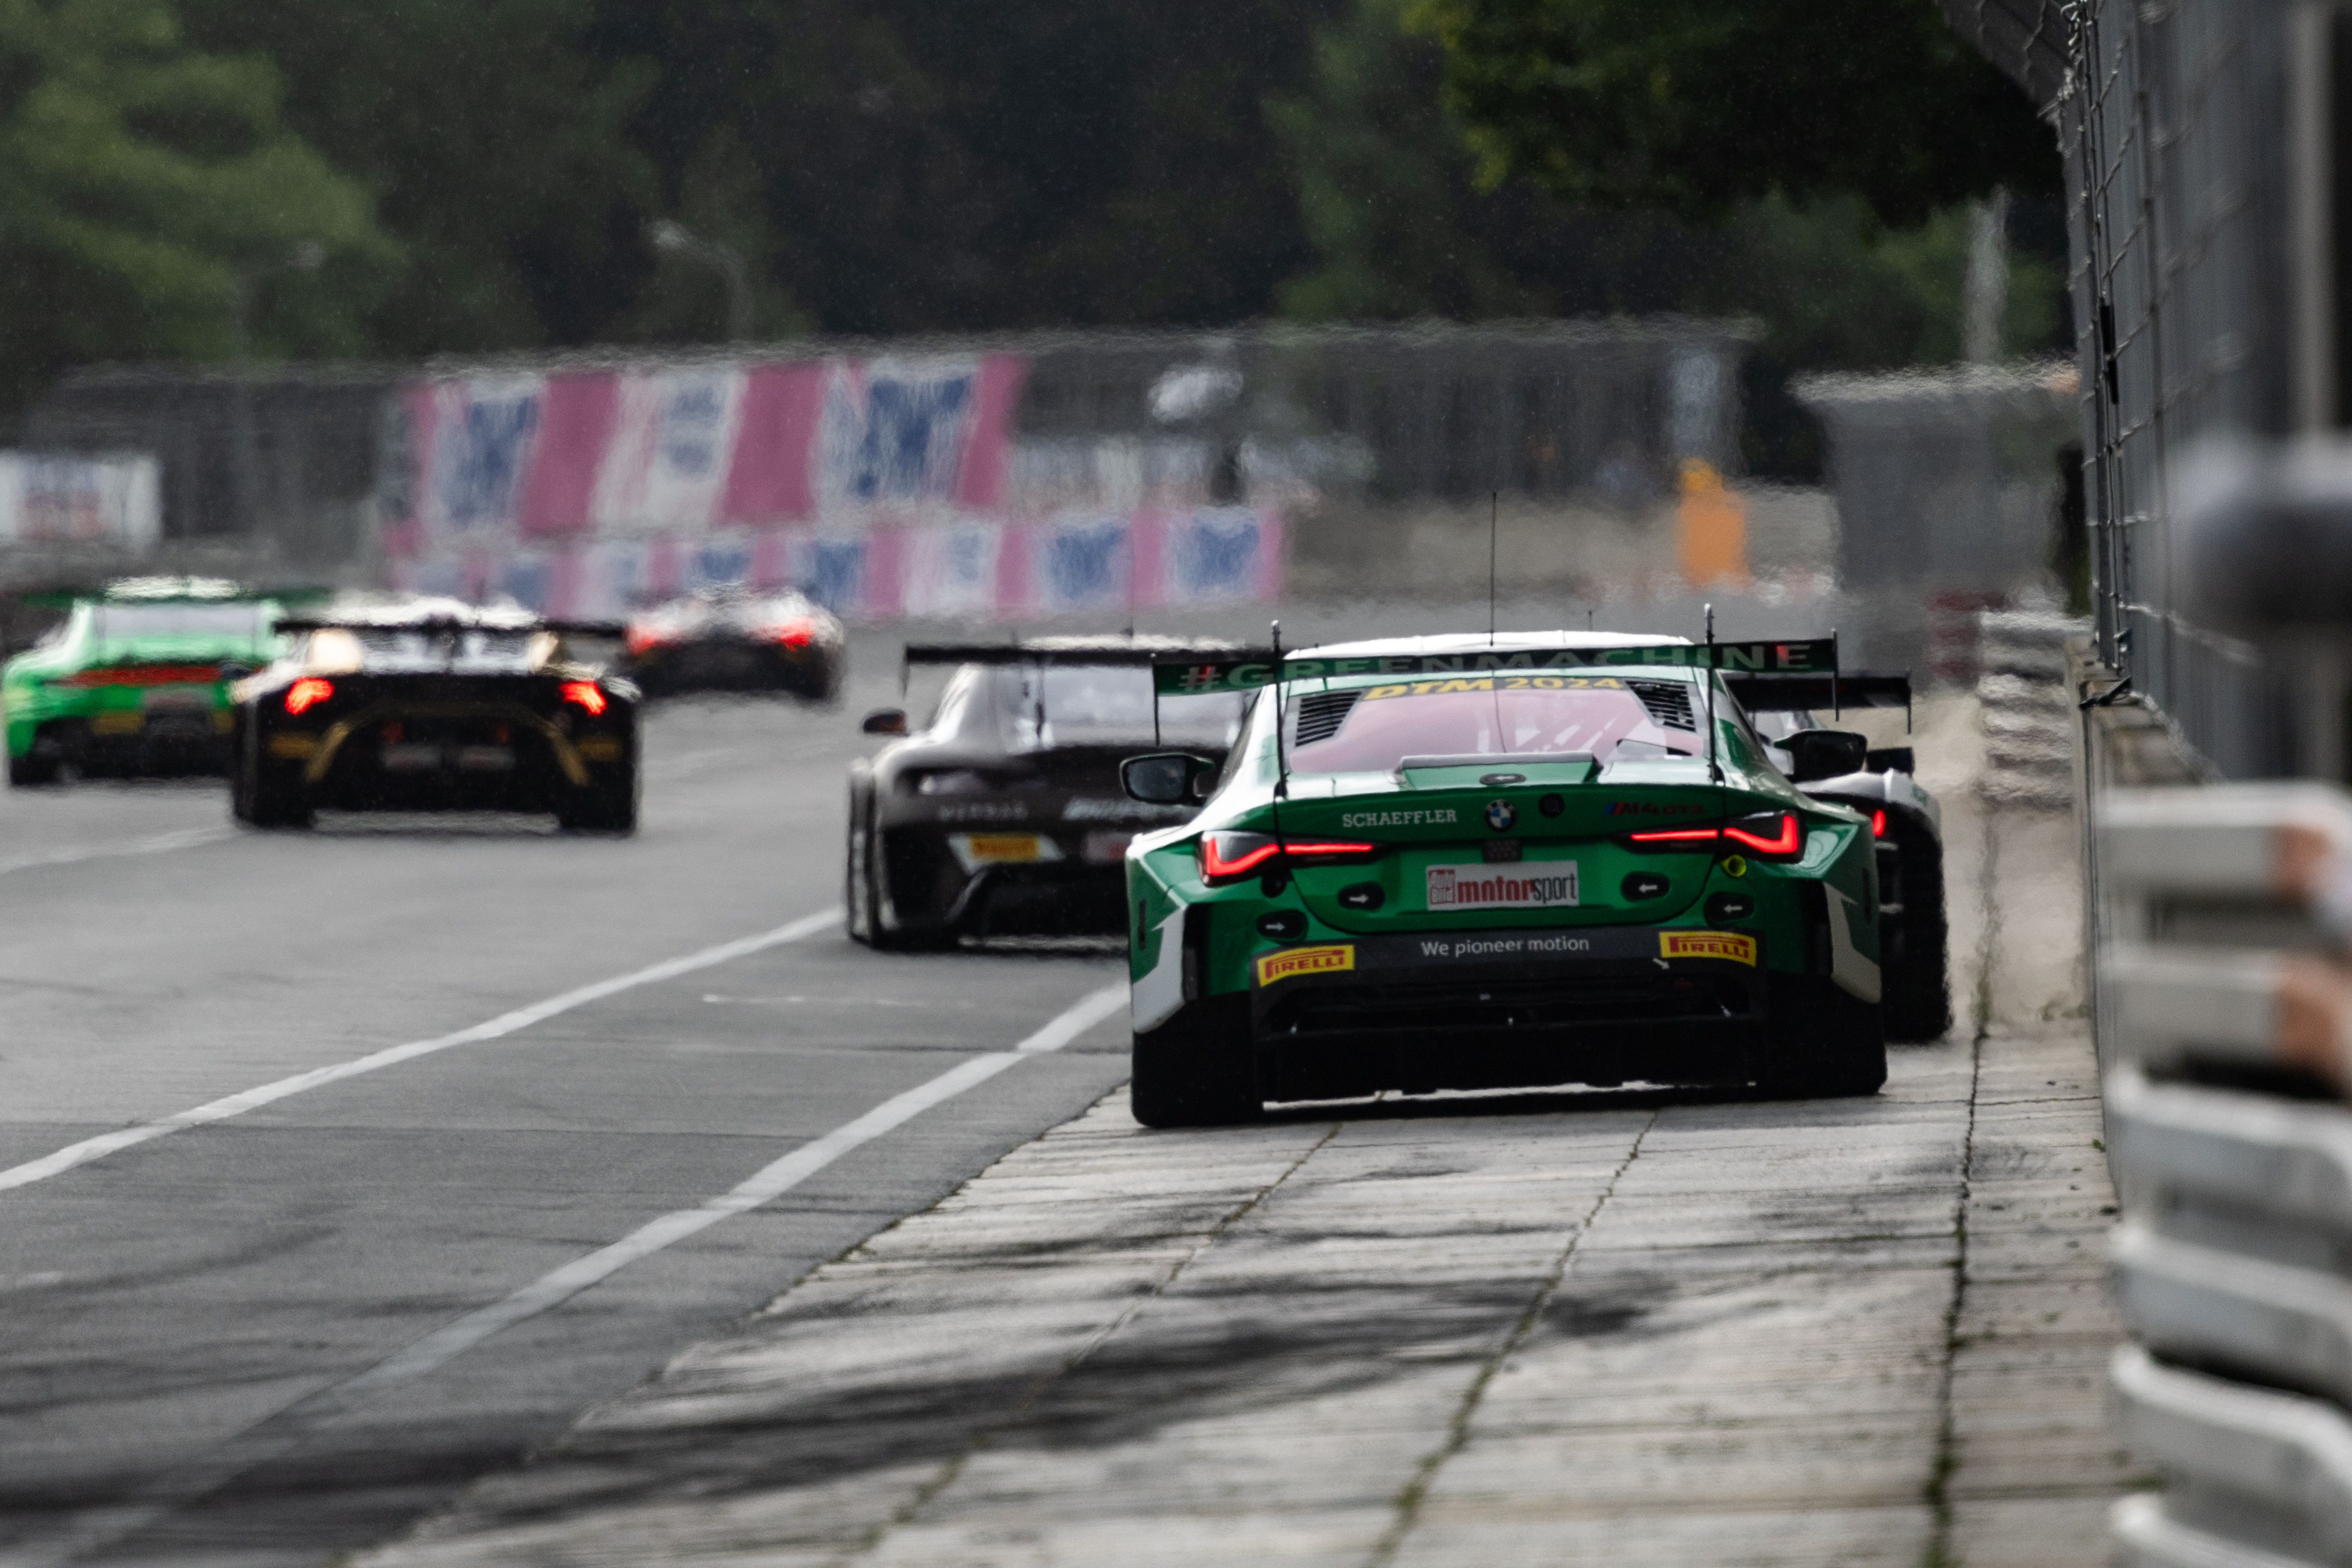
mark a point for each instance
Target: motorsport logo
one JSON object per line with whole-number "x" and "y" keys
{"x": 1439, "y": 816}
{"x": 1539, "y": 885}
{"x": 1727, "y": 944}
{"x": 1291, "y": 963}
{"x": 1652, "y": 808}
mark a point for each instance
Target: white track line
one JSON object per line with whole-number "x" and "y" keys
{"x": 768, "y": 1183}
{"x": 105, "y": 1143}
{"x": 97, "y": 1528}
{"x": 187, "y": 839}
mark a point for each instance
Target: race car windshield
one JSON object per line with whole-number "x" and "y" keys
{"x": 1373, "y": 729}
{"x": 121, "y": 621}
{"x": 1082, "y": 704}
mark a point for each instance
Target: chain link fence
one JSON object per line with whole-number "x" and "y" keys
{"x": 2175, "y": 123}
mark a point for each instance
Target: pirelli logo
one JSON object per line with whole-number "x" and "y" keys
{"x": 1727, "y": 944}
{"x": 1294, "y": 962}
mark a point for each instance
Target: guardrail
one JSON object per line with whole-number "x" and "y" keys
{"x": 2227, "y": 1007}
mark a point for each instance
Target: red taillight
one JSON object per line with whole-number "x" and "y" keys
{"x": 641, "y": 639}
{"x": 307, "y": 692}
{"x": 795, "y": 638}
{"x": 1787, "y": 838}
{"x": 1226, "y": 854}
{"x": 585, "y": 694}
{"x": 1766, "y": 832}
{"x": 1878, "y": 823}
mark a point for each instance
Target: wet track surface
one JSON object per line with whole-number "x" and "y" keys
{"x": 175, "y": 1316}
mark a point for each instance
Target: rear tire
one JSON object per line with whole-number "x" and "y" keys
{"x": 1918, "y": 989}
{"x": 258, "y": 799}
{"x": 27, "y": 771}
{"x": 1821, "y": 1041}
{"x": 606, "y": 806}
{"x": 862, "y": 895}
{"x": 822, "y": 684}
{"x": 1196, "y": 1069}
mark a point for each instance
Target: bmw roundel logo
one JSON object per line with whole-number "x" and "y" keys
{"x": 1500, "y": 815}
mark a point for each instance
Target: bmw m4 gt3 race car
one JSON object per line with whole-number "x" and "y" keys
{"x": 437, "y": 706}
{"x": 731, "y": 639}
{"x": 136, "y": 680}
{"x": 1487, "y": 862}
{"x": 1907, "y": 825}
{"x": 1004, "y": 816}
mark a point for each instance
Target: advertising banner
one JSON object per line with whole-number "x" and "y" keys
{"x": 60, "y": 498}
{"x": 966, "y": 569}
{"x": 878, "y": 485}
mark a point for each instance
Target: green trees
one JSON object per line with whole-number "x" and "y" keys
{"x": 143, "y": 184}
{"x": 480, "y": 175}
{"x": 1694, "y": 105}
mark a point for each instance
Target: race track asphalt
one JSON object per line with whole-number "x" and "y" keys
{"x": 181, "y": 1319}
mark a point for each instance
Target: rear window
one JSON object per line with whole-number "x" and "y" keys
{"x": 1373, "y": 729}
{"x": 119, "y": 621}
{"x": 1084, "y": 704}
{"x": 471, "y": 649}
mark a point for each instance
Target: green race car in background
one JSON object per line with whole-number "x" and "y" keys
{"x": 136, "y": 679}
{"x": 1472, "y": 862}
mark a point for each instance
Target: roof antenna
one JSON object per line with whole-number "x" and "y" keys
{"x": 1493, "y": 507}
{"x": 1281, "y": 760}
{"x": 1713, "y": 761}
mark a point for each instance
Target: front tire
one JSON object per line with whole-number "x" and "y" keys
{"x": 1196, "y": 1069}
{"x": 1821, "y": 1041}
{"x": 27, "y": 771}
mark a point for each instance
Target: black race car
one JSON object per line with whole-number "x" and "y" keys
{"x": 435, "y": 706}
{"x": 732, "y": 639}
{"x": 1839, "y": 765}
{"x": 1005, "y": 815}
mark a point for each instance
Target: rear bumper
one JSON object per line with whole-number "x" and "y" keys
{"x": 129, "y": 741}
{"x": 730, "y": 666}
{"x": 937, "y": 883}
{"x": 410, "y": 755}
{"x": 1495, "y": 1009}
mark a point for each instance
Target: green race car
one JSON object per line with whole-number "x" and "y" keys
{"x": 136, "y": 679}
{"x": 1471, "y": 862}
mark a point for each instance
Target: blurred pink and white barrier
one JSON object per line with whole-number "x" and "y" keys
{"x": 878, "y": 486}
{"x": 970, "y": 570}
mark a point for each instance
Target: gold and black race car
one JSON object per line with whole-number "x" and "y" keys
{"x": 436, "y": 705}
{"x": 1003, "y": 814}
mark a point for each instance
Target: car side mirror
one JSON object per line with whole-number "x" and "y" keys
{"x": 1826, "y": 753}
{"x": 885, "y": 721}
{"x": 1164, "y": 778}
{"x": 1899, "y": 758}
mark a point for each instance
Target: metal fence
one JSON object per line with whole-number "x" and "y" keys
{"x": 2177, "y": 124}
{"x": 2205, "y": 151}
